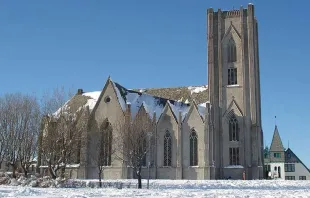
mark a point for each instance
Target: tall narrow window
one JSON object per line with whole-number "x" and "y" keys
{"x": 233, "y": 129}
{"x": 167, "y": 149}
{"x": 193, "y": 149}
{"x": 106, "y": 145}
{"x": 234, "y": 156}
{"x": 231, "y": 51}
{"x": 232, "y": 76}
{"x": 142, "y": 152}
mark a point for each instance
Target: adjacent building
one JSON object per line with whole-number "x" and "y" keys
{"x": 281, "y": 163}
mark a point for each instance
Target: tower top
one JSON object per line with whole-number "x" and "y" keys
{"x": 233, "y": 12}
{"x": 276, "y": 144}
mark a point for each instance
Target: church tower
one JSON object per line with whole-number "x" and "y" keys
{"x": 236, "y": 137}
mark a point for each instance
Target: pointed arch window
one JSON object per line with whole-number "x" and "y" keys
{"x": 233, "y": 129}
{"x": 231, "y": 51}
{"x": 167, "y": 149}
{"x": 105, "y": 144}
{"x": 193, "y": 139}
{"x": 142, "y": 150}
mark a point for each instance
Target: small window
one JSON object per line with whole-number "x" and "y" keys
{"x": 232, "y": 76}
{"x": 288, "y": 155}
{"x": 289, "y": 167}
{"x": 277, "y": 155}
{"x": 107, "y": 99}
{"x": 289, "y": 177}
{"x": 302, "y": 178}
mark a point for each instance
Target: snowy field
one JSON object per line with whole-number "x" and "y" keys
{"x": 173, "y": 188}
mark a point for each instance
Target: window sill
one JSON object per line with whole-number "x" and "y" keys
{"x": 228, "y": 86}
{"x": 234, "y": 166}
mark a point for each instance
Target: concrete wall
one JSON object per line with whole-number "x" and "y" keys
{"x": 240, "y": 26}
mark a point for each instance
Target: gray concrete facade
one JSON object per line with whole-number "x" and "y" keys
{"x": 241, "y": 99}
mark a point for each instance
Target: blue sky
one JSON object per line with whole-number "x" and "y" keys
{"x": 79, "y": 43}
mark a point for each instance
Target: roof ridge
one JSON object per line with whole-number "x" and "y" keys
{"x": 157, "y": 97}
{"x": 171, "y": 87}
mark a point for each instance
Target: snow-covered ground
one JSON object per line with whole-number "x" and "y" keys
{"x": 174, "y": 188}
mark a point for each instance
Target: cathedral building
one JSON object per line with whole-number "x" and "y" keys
{"x": 203, "y": 132}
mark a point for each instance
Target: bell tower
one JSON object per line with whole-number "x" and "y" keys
{"x": 236, "y": 145}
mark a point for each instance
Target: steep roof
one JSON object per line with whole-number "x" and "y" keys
{"x": 79, "y": 101}
{"x": 152, "y": 103}
{"x": 276, "y": 144}
{"x": 291, "y": 157}
{"x": 182, "y": 94}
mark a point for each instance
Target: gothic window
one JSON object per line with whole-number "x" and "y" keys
{"x": 232, "y": 76}
{"x": 234, "y": 156}
{"x": 279, "y": 171}
{"x": 231, "y": 51}
{"x": 233, "y": 129}
{"x": 106, "y": 145}
{"x": 193, "y": 149}
{"x": 142, "y": 152}
{"x": 167, "y": 149}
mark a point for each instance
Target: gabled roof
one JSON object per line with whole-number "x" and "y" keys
{"x": 291, "y": 157}
{"x": 276, "y": 144}
{"x": 151, "y": 103}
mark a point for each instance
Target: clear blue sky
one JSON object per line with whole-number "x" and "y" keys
{"x": 79, "y": 43}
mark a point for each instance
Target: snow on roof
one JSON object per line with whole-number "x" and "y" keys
{"x": 198, "y": 89}
{"x": 78, "y": 102}
{"x": 151, "y": 103}
{"x": 136, "y": 99}
{"x": 93, "y": 97}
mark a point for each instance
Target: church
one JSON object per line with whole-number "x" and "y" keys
{"x": 203, "y": 132}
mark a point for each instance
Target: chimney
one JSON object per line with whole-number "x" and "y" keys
{"x": 79, "y": 92}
